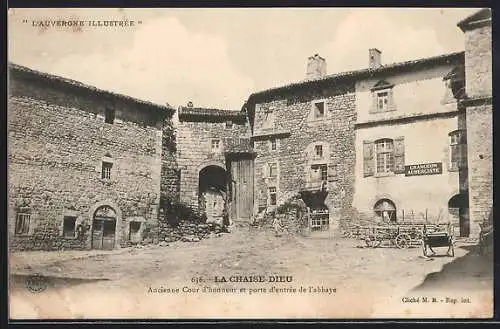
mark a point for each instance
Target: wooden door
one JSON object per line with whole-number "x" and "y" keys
{"x": 241, "y": 189}
{"x": 103, "y": 233}
{"x": 97, "y": 232}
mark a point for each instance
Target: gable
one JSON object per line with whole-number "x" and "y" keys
{"x": 382, "y": 84}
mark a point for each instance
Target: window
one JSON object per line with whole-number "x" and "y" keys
{"x": 319, "y": 172}
{"x": 272, "y": 196}
{"x": 385, "y": 155}
{"x": 134, "y": 233}
{"x": 22, "y": 223}
{"x": 319, "y": 110}
{"x": 268, "y": 119}
{"x": 273, "y": 145}
{"x": 382, "y": 101}
{"x": 458, "y": 150}
{"x": 109, "y": 115}
{"x": 385, "y": 209}
{"x": 318, "y": 150}
{"x": 106, "y": 170}
{"x": 215, "y": 145}
{"x": 319, "y": 218}
{"x": 273, "y": 170}
{"x": 69, "y": 226}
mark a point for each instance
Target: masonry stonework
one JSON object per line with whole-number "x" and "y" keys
{"x": 195, "y": 133}
{"x": 296, "y": 133}
{"x": 478, "y": 71}
{"x": 57, "y": 142}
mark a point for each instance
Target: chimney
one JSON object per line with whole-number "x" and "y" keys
{"x": 375, "y": 58}
{"x": 316, "y": 67}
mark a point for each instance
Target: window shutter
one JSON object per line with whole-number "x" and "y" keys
{"x": 374, "y": 102}
{"x": 390, "y": 95}
{"x": 367, "y": 158}
{"x": 399, "y": 155}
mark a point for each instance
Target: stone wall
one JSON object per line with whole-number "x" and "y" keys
{"x": 299, "y": 133}
{"x": 478, "y": 62}
{"x": 478, "y": 73}
{"x": 57, "y": 141}
{"x": 480, "y": 164}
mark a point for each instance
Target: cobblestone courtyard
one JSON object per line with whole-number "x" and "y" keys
{"x": 372, "y": 275}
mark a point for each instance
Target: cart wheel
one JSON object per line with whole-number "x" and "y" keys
{"x": 371, "y": 241}
{"x": 403, "y": 241}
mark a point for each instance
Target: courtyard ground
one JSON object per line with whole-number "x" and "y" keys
{"x": 339, "y": 277}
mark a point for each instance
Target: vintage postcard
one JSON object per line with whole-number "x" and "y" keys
{"x": 237, "y": 163}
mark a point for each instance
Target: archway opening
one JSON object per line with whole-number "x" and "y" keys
{"x": 458, "y": 206}
{"x": 386, "y": 209}
{"x": 104, "y": 228}
{"x": 212, "y": 191}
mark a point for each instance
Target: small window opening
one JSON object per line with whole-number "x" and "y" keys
{"x": 319, "y": 110}
{"x": 69, "y": 226}
{"x": 22, "y": 223}
{"x": 106, "y": 170}
{"x": 272, "y": 196}
{"x": 109, "y": 115}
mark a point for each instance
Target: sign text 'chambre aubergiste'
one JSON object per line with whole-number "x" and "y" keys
{"x": 435, "y": 168}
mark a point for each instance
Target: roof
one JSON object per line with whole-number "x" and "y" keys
{"x": 210, "y": 113}
{"x": 478, "y": 19}
{"x": 363, "y": 73}
{"x": 80, "y": 85}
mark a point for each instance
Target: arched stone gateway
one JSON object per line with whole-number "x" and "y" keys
{"x": 212, "y": 192}
{"x": 458, "y": 206}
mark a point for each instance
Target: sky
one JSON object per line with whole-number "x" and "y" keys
{"x": 218, "y": 57}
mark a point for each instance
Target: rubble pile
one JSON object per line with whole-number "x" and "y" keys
{"x": 189, "y": 232}
{"x": 290, "y": 213}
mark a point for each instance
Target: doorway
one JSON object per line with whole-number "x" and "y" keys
{"x": 104, "y": 228}
{"x": 212, "y": 192}
{"x": 458, "y": 205}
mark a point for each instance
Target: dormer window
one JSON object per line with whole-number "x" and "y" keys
{"x": 382, "y": 101}
{"x": 382, "y": 93}
{"x": 319, "y": 110}
{"x": 269, "y": 117}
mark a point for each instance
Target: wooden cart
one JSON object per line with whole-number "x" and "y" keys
{"x": 437, "y": 238}
{"x": 396, "y": 236}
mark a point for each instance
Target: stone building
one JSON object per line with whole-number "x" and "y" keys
{"x": 411, "y": 160}
{"x": 215, "y": 161}
{"x": 408, "y": 141}
{"x": 303, "y": 136}
{"x": 85, "y": 164}
{"x": 478, "y": 109}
